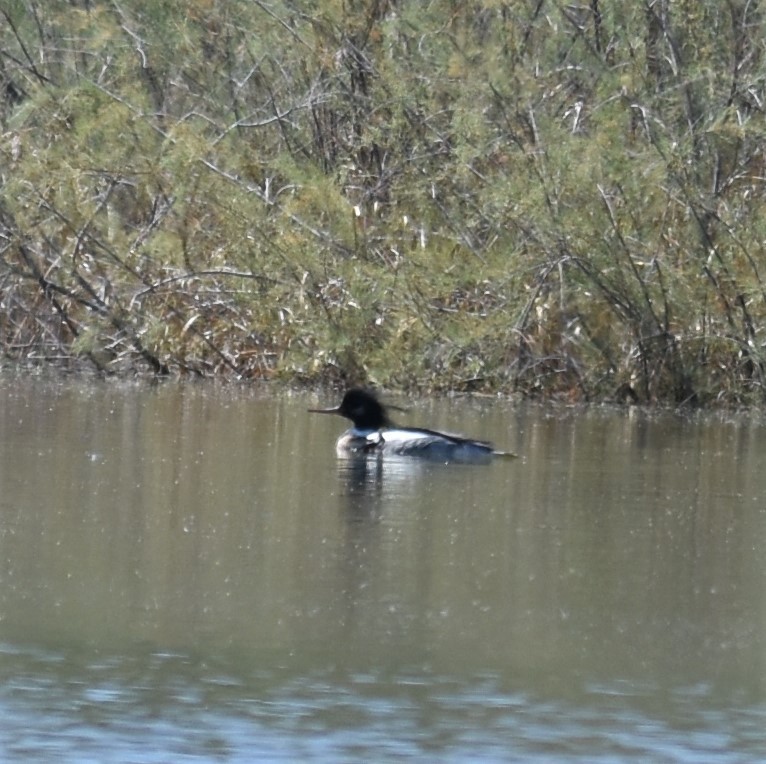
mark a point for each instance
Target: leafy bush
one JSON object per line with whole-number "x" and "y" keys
{"x": 518, "y": 196}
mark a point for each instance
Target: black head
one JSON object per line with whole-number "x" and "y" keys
{"x": 362, "y": 407}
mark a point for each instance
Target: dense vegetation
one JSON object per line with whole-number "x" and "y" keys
{"x": 529, "y": 196}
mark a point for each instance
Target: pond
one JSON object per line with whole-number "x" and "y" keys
{"x": 189, "y": 572}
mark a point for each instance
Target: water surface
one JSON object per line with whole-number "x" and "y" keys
{"x": 189, "y": 573}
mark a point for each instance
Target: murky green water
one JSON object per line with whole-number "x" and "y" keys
{"x": 190, "y": 574}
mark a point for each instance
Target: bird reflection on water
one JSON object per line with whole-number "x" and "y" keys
{"x": 369, "y": 481}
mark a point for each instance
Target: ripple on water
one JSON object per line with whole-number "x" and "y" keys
{"x": 156, "y": 708}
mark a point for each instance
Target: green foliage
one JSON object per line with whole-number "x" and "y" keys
{"x": 552, "y": 199}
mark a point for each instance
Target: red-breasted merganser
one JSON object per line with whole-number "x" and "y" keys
{"x": 374, "y": 433}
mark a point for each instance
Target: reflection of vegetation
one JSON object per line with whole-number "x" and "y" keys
{"x": 534, "y": 196}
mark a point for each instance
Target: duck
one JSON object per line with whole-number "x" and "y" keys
{"x": 374, "y": 433}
